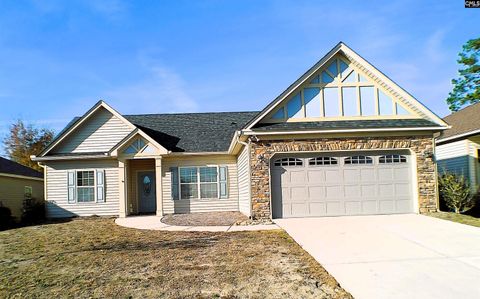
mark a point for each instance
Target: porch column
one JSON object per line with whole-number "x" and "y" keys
{"x": 158, "y": 185}
{"x": 122, "y": 213}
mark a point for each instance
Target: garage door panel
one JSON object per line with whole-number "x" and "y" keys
{"x": 333, "y": 175}
{"x": 368, "y": 191}
{"x": 402, "y": 189}
{"x": 335, "y": 208}
{"x": 386, "y": 190}
{"x": 385, "y": 174}
{"x": 353, "y": 207}
{"x": 352, "y": 191}
{"x": 300, "y": 209}
{"x": 369, "y": 207}
{"x": 332, "y": 192}
{"x": 318, "y": 208}
{"x": 316, "y": 176}
{"x": 316, "y": 193}
{"x": 298, "y": 193}
{"x": 401, "y": 173}
{"x": 351, "y": 175}
{"x": 367, "y": 175}
{"x": 387, "y": 206}
{"x": 367, "y": 184}
{"x": 297, "y": 176}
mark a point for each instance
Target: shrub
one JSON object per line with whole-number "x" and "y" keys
{"x": 455, "y": 192}
{"x": 6, "y": 219}
{"x": 33, "y": 211}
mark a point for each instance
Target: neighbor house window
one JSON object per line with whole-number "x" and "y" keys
{"x": 200, "y": 182}
{"x": 85, "y": 186}
{"x": 28, "y": 192}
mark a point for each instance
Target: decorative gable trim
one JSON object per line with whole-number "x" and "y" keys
{"x": 99, "y": 105}
{"x": 116, "y": 150}
{"x": 375, "y": 75}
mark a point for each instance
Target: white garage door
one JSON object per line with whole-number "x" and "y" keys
{"x": 358, "y": 183}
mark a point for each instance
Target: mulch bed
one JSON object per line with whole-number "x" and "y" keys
{"x": 205, "y": 219}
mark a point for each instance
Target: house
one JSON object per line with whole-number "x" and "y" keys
{"x": 457, "y": 148}
{"x": 343, "y": 139}
{"x": 17, "y": 183}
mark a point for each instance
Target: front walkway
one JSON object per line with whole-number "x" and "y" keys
{"x": 396, "y": 256}
{"x": 154, "y": 223}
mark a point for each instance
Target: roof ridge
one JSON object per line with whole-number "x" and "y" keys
{"x": 464, "y": 108}
{"x": 191, "y": 113}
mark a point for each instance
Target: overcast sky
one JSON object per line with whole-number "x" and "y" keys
{"x": 57, "y": 58}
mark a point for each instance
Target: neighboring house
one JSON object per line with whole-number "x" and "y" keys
{"x": 17, "y": 183}
{"x": 457, "y": 148}
{"x": 343, "y": 139}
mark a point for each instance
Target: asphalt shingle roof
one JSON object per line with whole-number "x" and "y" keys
{"x": 346, "y": 124}
{"x": 192, "y": 132}
{"x": 10, "y": 167}
{"x": 462, "y": 121}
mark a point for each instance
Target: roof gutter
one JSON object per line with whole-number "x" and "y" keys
{"x": 250, "y": 132}
{"x": 443, "y": 140}
{"x": 61, "y": 158}
{"x": 18, "y": 176}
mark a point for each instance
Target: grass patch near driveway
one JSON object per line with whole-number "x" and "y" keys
{"x": 96, "y": 258}
{"x": 460, "y": 218}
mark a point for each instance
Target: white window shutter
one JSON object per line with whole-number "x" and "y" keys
{"x": 71, "y": 186}
{"x": 223, "y": 179}
{"x": 100, "y": 185}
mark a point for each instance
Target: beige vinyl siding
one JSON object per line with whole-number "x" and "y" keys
{"x": 200, "y": 205}
{"x": 12, "y": 192}
{"x": 133, "y": 167}
{"x": 243, "y": 167}
{"x": 57, "y": 194}
{"x": 99, "y": 133}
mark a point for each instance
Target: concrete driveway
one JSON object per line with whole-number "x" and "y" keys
{"x": 395, "y": 256}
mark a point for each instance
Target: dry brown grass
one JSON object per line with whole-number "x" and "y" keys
{"x": 96, "y": 258}
{"x": 205, "y": 219}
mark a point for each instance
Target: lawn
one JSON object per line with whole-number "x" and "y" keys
{"x": 96, "y": 258}
{"x": 460, "y": 218}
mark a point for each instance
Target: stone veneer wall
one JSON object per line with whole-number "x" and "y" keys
{"x": 262, "y": 151}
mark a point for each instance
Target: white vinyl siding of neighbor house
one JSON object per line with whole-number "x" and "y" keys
{"x": 57, "y": 190}
{"x": 99, "y": 133}
{"x": 474, "y": 165}
{"x": 199, "y": 205}
{"x": 243, "y": 167}
{"x": 453, "y": 157}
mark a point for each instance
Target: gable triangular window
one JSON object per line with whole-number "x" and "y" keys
{"x": 137, "y": 146}
{"x": 339, "y": 91}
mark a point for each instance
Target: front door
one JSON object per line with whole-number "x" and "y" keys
{"x": 146, "y": 192}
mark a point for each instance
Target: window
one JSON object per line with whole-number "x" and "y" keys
{"x": 323, "y": 161}
{"x": 288, "y": 162}
{"x": 27, "y": 192}
{"x": 294, "y": 107}
{"x": 312, "y": 101}
{"x": 85, "y": 186}
{"x": 341, "y": 91}
{"x": 208, "y": 182}
{"x": 188, "y": 183}
{"x": 201, "y": 182}
{"x": 387, "y": 159}
{"x": 135, "y": 147}
{"x": 358, "y": 160}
